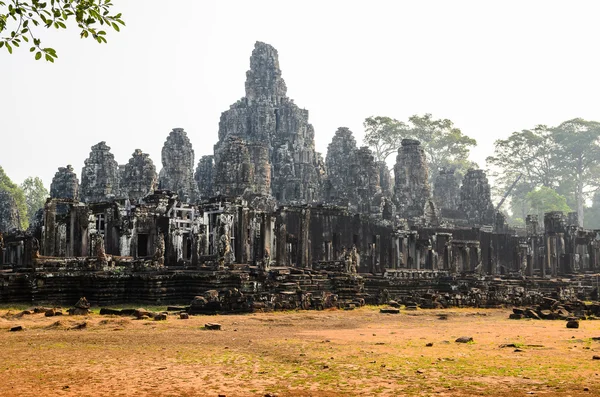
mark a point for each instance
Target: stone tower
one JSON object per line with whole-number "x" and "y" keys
{"x": 353, "y": 174}
{"x": 138, "y": 176}
{"x": 475, "y": 198}
{"x": 279, "y": 157}
{"x": 65, "y": 184}
{"x": 243, "y": 168}
{"x": 341, "y": 152}
{"x": 412, "y": 193}
{"x": 446, "y": 190}
{"x": 205, "y": 176}
{"x": 177, "y": 173}
{"x": 99, "y": 176}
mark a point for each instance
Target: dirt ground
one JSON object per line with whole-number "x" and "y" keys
{"x": 308, "y": 353}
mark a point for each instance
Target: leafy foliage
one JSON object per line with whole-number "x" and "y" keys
{"x": 21, "y": 21}
{"x": 8, "y": 186}
{"x": 578, "y": 157}
{"x": 564, "y": 159}
{"x": 445, "y": 145}
{"x": 35, "y": 195}
{"x": 383, "y": 135}
{"x": 545, "y": 199}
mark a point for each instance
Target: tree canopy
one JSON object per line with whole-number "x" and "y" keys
{"x": 564, "y": 159}
{"x": 21, "y": 22}
{"x": 545, "y": 199}
{"x": 445, "y": 145}
{"x": 17, "y": 194}
{"x": 35, "y": 196}
{"x": 383, "y": 135}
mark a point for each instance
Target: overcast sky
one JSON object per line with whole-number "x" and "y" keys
{"x": 492, "y": 67}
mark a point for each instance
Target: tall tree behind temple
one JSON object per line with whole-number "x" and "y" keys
{"x": 564, "y": 158}
{"x": 13, "y": 209}
{"x": 445, "y": 145}
{"x": 384, "y": 135}
{"x": 578, "y": 156}
{"x": 35, "y": 196}
{"x": 530, "y": 153}
{"x": 545, "y": 199}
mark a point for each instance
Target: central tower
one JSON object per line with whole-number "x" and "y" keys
{"x": 266, "y": 144}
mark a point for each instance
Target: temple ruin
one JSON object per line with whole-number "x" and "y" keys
{"x": 266, "y": 218}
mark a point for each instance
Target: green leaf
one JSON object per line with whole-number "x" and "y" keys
{"x": 116, "y": 27}
{"x": 9, "y": 48}
{"x": 32, "y": 49}
{"x": 49, "y": 58}
{"x": 1, "y": 44}
{"x": 38, "y": 56}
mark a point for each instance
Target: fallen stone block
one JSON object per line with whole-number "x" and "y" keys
{"x": 573, "y": 324}
{"x": 389, "y": 310}
{"x": 530, "y": 313}
{"x": 77, "y": 311}
{"x": 464, "y": 339}
{"x": 16, "y": 328}
{"x": 184, "y": 316}
{"x": 160, "y": 317}
{"x": 139, "y": 313}
{"x": 212, "y": 326}
{"x": 108, "y": 312}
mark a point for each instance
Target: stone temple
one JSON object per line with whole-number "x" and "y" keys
{"x": 267, "y": 222}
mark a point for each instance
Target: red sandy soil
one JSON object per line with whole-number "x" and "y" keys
{"x": 307, "y": 353}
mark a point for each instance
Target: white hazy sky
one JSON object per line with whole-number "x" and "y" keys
{"x": 493, "y": 67}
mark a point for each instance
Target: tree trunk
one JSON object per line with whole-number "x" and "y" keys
{"x": 580, "y": 202}
{"x": 580, "y": 199}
